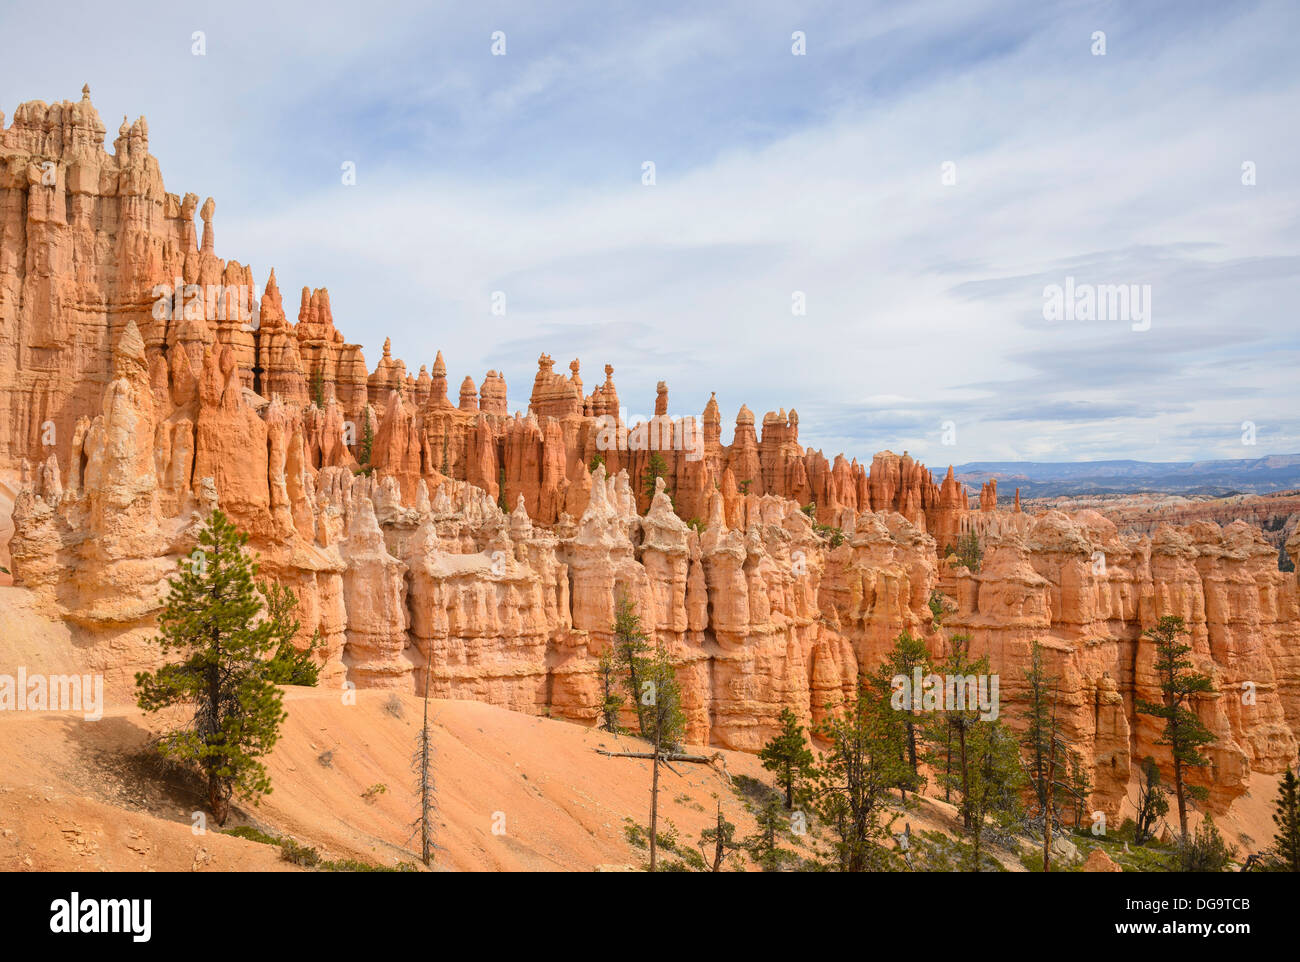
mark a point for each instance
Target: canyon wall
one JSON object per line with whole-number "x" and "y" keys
{"x": 144, "y": 382}
{"x": 1277, "y": 515}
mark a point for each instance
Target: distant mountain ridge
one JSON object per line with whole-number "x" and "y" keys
{"x": 1046, "y": 479}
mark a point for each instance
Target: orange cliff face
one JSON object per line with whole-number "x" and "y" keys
{"x": 419, "y": 528}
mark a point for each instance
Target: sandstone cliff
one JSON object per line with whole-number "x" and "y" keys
{"x": 494, "y": 545}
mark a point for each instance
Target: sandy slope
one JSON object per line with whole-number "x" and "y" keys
{"x": 85, "y": 794}
{"x": 515, "y": 792}
{"x": 64, "y": 781}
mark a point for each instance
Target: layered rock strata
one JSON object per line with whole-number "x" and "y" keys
{"x": 492, "y": 547}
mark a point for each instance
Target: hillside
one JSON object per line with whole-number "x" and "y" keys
{"x": 79, "y": 795}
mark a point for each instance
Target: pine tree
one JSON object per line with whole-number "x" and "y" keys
{"x": 630, "y": 647}
{"x": 611, "y": 701}
{"x": 367, "y": 438}
{"x": 722, "y": 839}
{"x": 969, "y": 551}
{"x": 1286, "y": 843}
{"x": 788, "y": 756}
{"x": 1205, "y": 851}
{"x": 945, "y": 733}
{"x": 211, "y": 618}
{"x": 1183, "y": 733}
{"x": 1044, "y": 744}
{"x": 907, "y": 655}
{"x": 289, "y": 665}
{"x": 762, "y": 845}
{"x": 318, "y": 388}
{"x": 980, "y": 758}
{"x": 860, "y": 766}
{"x": 661, "y": 702}
{"x": 656, "y": 469}
{"x": 992, "y": 784}
{"x": 1153, "y": 803}
{"x": 657, "y": 698}
{"x": 1080, "y": 787}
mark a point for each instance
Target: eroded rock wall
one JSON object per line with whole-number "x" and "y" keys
{"x": 486, "y": 550}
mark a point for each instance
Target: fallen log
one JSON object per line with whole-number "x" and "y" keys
{"x": 663, "y": 756}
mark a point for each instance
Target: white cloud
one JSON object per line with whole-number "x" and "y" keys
{"x": 923, "y": 300}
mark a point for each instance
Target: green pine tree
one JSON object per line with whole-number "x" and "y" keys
{"x": 1152, "y": 804}
{"x": 661, "y": 705}
{"x": 367, "y": 438}
{"x": 289, "y": 665}
{"x": 907, "y": 655}
{"x": 318, "y": 388}
{"x": 1183, "y": 732}
{"x": 861, "y": 764}
{"x": 976, "y": 759}
{"x": 762, "y": 845}
{"x": 611, "y": 701}
{"x": 656, "y": 469}
{"x": 1286, "y": 843}
{"x": 969, "y": 551}
{"x": 1080, "y": 787}
{"x": 1049, "y": 777}
{"x": 211, "y": 618}
{"x": 945, "y": 732}
{"x": 630, "y": 647}
{"x": 788, "y": 756}
{"x": 722, "y": 839}
{"x": 992, "y": 783}
{"x": 1206, "y": 851}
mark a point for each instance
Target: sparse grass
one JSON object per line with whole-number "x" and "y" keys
{"x": 1153, "y": 856}
{"x": 670, "y": 843}
{"x": 252, "y": 834}
{"x": 933, "y": 851}
{"x": 299, "y": 854}
{"x": 635, "y": 833}
{"x": 307, "y": 857}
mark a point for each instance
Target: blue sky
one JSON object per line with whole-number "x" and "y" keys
{"x": 775, "y": 173}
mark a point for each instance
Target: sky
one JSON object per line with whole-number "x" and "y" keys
{"x": 919, "y": 178}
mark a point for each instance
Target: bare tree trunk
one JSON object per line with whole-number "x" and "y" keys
{"x": 654, "y": 801}
{"x": 1047, "y": 793}
{"x": 719, "y": 848}
{"x": 426, "y": 786}
{"x": 947, "y": 765}
{"x": 1178, "y": 790}
{"x": 965, "y": 779}
{"x": 219, "y": 788}
{"x": 218, "y": 799}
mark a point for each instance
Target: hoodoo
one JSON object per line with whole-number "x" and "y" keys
{"x": 418, "y": 529}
